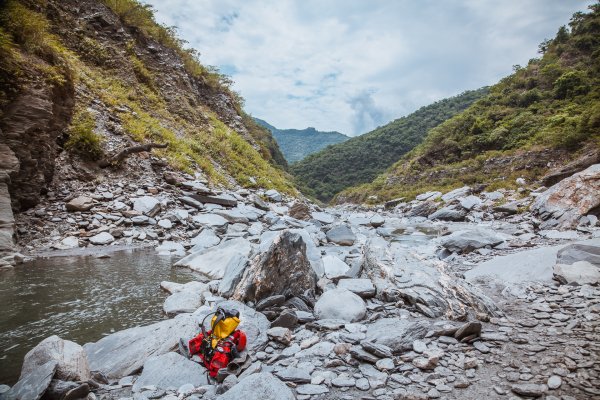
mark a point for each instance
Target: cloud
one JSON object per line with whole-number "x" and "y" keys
{"x": 350, "y": 65}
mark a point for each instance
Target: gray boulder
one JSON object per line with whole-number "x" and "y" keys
{"x": 125, "y": 352}
{"x": 147, "y": 205}
{"x": 362, "y": 287}
{"x": 102, "y": 238}
{"x": 283, "y": 269}
{"x": 170, "y": 370}
{"x": 562, "y": 205}
{"x": 233, "y": 216}
{"x": 186, "y": 300}
{"x": 212, "y": 262}
{"x": 233, "y": 274}
{"x": 470, "y": 202}
{"x": 213, "y": 221}
{"x": 580, "y": 273}
{"x": 341, "y": 235}
{"x": 579, "y": 252}
{"x": 33, "y": 385}
{"x": 456, "y": 193}
{"x": 273, "y": 195}
{"x": 204, "y": 240}
{"x": 323, "y": 217}
{"x": 72, "y": 363}
{"x": 340, "y": 304}
{"x": 465, "y": 241}
{"x": 334, "y": 267}
{"x": 376, "y": 221}
{"x": 260, "y": 386}
{"x": 396, "y": 333}
{"x": 422, "y": 209}
{"x": 450, "y": 213}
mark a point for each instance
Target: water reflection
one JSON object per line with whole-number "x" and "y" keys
{"x": 80, "y": 299}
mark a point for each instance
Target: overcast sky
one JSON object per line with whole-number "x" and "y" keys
{"x": 352, "y": 65}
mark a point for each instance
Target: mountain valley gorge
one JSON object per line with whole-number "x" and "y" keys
{"x": 453, "y": 253}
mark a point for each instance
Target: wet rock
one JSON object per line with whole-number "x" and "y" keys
{"x": 284, "y": 269}
{"x": 81, "y": 203}
{"x": 340, "y": 304}
{"x": 362, "y": 287}
{"x": 213, "y": 262}
{"x": 125, "y": 352}
{"x": 33, "y": 385}
{"x": 466, "y": 241}
{"x": 170, "y": 370}
{"x": 395, "y": 333}
{"x": 260, "y": 386}
{"x": 102, "y": 238}
{"x": 146, "y": 205}
{"x": 334, "y": 267}
{"x": 169, "y": 248}
{"x": 72, "y": 363}
{"x": 562, "y": 205}
{"x": 341, "y": 235}
{"x": 580, "y": 273}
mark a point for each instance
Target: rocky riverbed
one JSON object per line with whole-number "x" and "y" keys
{"x": 459, "y": 295}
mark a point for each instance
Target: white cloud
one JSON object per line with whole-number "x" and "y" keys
{"x": 351, "y": 65}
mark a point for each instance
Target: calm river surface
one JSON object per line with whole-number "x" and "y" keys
{"x": 79, "y": 299}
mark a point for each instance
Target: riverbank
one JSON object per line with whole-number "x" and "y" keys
{"x": 454, "y": 295}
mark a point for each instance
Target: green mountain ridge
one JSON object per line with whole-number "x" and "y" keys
{"x": 360, "y": 159}
{"x": 296, "y": 144}
{"x": 540, "y": 117}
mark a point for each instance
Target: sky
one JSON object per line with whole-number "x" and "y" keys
{"x": 353, "y": 65}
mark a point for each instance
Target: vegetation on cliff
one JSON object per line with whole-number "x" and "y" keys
{"x": 544, "y": 114}
{"x": 362, "y": 158}
{"x": 135, "y": 77}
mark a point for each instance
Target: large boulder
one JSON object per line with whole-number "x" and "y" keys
{"x": 147, "y": 205}
{"x": 580, "y": 273}
{"x": 340, "y": 304}
{"x": 204, "y": 240}
{"x": 396, "y": 333}
{"x": 233, "y": 274}
{"x": 72, "y": 363}
{"x": 562, "y": 205}
{"x": 449, "y": 213}
{"x": 212, "y": 262}
{"x": 125, "y": 352}
{"x": 342, "y": 235}
{"x": 283, "y": 269}
{"x": 32, "y": 385}
{"x": 422, "y": 209}
{"x": 465, "y": 241}
{"x": 579, "y": 252}
{"x": 260, "y": 386}
{"x": 170, "y": 370}
{"x": 401, "y": 273}
{"x": 102, "y": 238}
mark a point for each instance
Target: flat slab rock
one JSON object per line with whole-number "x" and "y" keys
{"x": 32, "y": 385}
{"x": 340, "y": 304}
{"x": 261, "y": 386}
{"x": 170, "y": 370}
{"x": 125, "y": 352}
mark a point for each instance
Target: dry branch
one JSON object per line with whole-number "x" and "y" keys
{"x": 123, "y": 154}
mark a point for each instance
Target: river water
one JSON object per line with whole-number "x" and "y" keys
{"x": 80, "y": 299}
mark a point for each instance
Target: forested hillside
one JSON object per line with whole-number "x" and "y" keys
{"x": 295, "y": 144}
{"x": 542, "y": 115}
{"x": 362, "y": 158}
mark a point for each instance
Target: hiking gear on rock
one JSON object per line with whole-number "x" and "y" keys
{"x": 221, "y": 344}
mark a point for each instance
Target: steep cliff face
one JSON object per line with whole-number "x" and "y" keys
{"x": 82, "y": 80}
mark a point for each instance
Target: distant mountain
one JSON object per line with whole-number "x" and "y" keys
{"x": 295, "y": 144}
{"x": 541, "y": 117}
{"x": 362, "y": 158}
